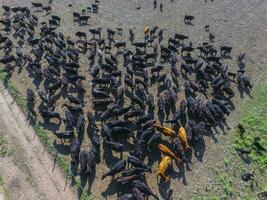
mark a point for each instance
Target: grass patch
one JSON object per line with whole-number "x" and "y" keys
{"x": 2, "y": 189}
{"x": 226, "y": 162}
{"x": 253, "y": 117}
{"x": 1, "y": 181}
{"x": 42, "y": 134}
{"x": 3, "y": 146}
{"x": 254, "y": 120}
{"x": 226, "y": 184}
{"x": 205, "y": 197}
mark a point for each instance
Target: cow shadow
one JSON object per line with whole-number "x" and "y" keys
{"x": 110, "y": 160}
{"x": 74, "y": 172}
{"x": 211, "y": 133}
{"x": 161, "y": 116}
{"x": 90, "y": 180}
{"x": 62, "y": 148}
{"x": 167, "y": 111}
{"x": 161, "y": 88}
{"x": 6, "y": 80}
{"x": 199, "y": 148}
{"x": 163, "y": 187}
{"x": 221, "y": 127}
{"x": 113, "y": 188}
{"x": 83, "y": 182}
{"x": 83, "y": 24}
{"x": 244, "y": 158}
{"x": 153, "y": 157}
{"x": 244, "y": 90}
{"x": 182, "y": 168}
{"x": 229, "y": 57}
{"x": 36, "y": 80}
{"x": 51, "y": 126}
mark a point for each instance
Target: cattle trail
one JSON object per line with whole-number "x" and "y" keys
{"x": 26, "y": 170}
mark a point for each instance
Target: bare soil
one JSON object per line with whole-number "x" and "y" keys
{"x": 28, "y": 171}
{"x": 240, "y": 24}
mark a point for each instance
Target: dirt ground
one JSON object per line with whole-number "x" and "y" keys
{"x": 240, "y": 24}
{"x": 28, "y": 171}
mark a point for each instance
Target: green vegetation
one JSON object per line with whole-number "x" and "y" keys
{"x": 205, "y": 197}
{"x": 1, "y": 181}
{"x": 3, "y": 146}
{"x": 226, "y": 162}
{"x": 42, "y": 134}
{"x": 2, "y": 189}
{"x": 254, "y": 120}
{"x": 226, "y": 184}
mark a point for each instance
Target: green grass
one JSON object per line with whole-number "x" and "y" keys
{"x": 205, "y": 197}
{"x": 226, "y": 184}
{"x": 2, "y": 188}
{"x": 226, "y": 162}
{"x": 253, "y": 117}
{"x": 254, "y": 120}
{"x": 1, "y": 181}
{"x": 3, "y": 146}
{"x": 42, "y": 134}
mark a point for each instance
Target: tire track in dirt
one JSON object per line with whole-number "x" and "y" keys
{"x": 27, "y": 171}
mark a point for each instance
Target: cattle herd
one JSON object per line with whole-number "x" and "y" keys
{"x": 127, "y": 114}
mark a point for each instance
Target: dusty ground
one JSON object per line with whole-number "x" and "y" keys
{"x": 28, "y": 171}
{"x": 241, "y": 24}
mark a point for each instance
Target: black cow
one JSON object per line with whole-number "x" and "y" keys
{"x": 188, "y": 19}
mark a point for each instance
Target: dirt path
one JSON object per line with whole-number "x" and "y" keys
{"x": 27, "y": 171}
